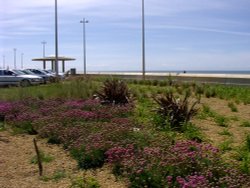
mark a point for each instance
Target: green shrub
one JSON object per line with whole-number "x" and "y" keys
{"x": 146, "y": 179}
{"x": 245, "y": 163}
{"x": 155, "y": 82}
{"x": 221, "y": 121}
{"x": 226, "y": 145}
{"x": 85, "y": 182}
{"x": 2, "y": 127}
{"x": 247, "y": 144}
{"x": 170, "y": 81}
{"x": 225, "y": 132}
{"x": 245, "y": 124}
{"x": 91, "y": 159}
{"x": 53, "y": 139}
{"x": 179, "y": 90}
{"x": 206, "y": 112}
{"x": 163, "y": 83}
{"x": 46, "y": 158}
{"x": 24, "y": 127}
{"x": 233, "y": 107}
{"x": 56, "y": 176}
{"x": 243, "y": 156}
{"x": 192, "y": 132}
{"x": 148, "y": 82}
{"x": 175, "y": 111}
{"x": 199, "y": 90}
{"x": 234, "y": 118}
{"x": 135, "y": 81}
{"x": 141, "y": 82}
{"x": 210, "y": 92}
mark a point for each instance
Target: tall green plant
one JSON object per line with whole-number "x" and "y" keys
{"x": 114, "y": 92}
{"x": 175, "y": 111}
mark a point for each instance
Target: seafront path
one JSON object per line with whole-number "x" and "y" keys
{"x": 226, "y": 79}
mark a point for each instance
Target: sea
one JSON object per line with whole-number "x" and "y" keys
{"x": 247, "y": 72}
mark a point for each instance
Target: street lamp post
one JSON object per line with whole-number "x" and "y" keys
{"x": 44, "y": 43}
{"x": 44, "y": 62}
{"x": 56, "y": 40}
{"x": 21, "y": 60}
{"x": 4, "y": 61}
{"x": 83, "y": 21}
{"x": 143, "y": 41}
{"x": 14, "y": 58}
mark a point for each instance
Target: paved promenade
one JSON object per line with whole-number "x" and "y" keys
{"x": 227, "y": 79}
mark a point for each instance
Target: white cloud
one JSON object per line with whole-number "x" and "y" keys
{"x": 114, "y": 31}
{"x": 202, "y": 29}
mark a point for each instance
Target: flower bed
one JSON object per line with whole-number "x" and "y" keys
{"x": 96, "y": 134}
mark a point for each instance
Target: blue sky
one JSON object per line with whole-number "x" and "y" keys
{"x": 180, "y": 34}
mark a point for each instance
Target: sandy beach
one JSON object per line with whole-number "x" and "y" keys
{"x": 227, "y": 79}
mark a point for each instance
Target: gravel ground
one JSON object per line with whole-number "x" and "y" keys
{"x": 16, "y": 170}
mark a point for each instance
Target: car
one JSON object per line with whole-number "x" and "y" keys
{"x": 14, "y": 77}
{"x": 46, "y": 77}
{"x": 60, "y": 74}
{"x": 26, "y": 72}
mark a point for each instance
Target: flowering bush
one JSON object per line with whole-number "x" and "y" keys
{"x": 95, "y": 134}
{"x": 185, "y": 164}
{"x": 5, "y": 107}
{"x": 53, "y": 132}
{"x": 67, "y": 122}
{"x": 190, "y": 181}
{"x": 39, "y": 113}
{"x": 83, "y": 104}
{"x": 190, "y": 156}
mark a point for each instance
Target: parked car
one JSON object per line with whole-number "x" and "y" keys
{"x": 46, "y": 77}
{"x": 27, "y": 72}
{"x": 60, "y": 74}
{"x": 14, "y": 77}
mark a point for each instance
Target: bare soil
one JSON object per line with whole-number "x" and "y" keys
{"x": 17, "y": 171}
{"x": 212, "y": 130}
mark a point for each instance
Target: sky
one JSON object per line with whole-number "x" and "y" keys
{"x": 179, "y": 34}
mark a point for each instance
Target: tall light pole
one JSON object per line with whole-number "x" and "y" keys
{"x": 56, "y": 40}
{"x": 83, "y": 21}
{"x": 44, "y": 43}
{"x": 4, "y": 61}
{"x": 22, "y": 60}
{"x": 143, "y": 41}
{"x": 14, "y": 58}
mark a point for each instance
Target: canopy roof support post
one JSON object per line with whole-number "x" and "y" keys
{"x": 52, "y": 65}
{"x": 44, "y": 64}
{"x": 63, "y": 66}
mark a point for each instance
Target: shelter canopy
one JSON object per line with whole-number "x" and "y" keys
{"x": 52, "y": 59}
